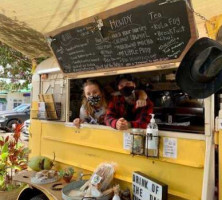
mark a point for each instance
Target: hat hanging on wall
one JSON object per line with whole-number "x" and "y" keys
{"x": 200, "y": 71}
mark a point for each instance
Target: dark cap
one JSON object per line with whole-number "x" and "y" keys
{"x": 128, "y": 77}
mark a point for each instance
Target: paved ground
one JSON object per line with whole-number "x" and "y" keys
{"x": 5, "y": 134}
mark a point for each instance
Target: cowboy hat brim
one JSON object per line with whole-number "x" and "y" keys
{"x": 184, "y": 79}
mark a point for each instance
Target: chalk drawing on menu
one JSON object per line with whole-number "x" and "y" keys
{"x": 59, "y": 58}
{"x": 116, "y": 26}
{"x": 166, "y": 47}
{"x": 60, "y": 50}
{"x": 143, "y": 35}
{"x": 67, "y": 38}
{"x": 155, "y": 16}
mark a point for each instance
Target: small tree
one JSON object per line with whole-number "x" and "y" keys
{"x": 13, "y": 158}
{"x": 16, "y": 66}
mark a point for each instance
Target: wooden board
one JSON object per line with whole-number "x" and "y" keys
{"x": 136, "y": 34}
{"x": 25, "y": 177}
{"x": 50, "y": 110}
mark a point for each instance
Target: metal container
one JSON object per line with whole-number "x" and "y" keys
{"x": 138, "y": 141}
{"x": 75, "y": 185}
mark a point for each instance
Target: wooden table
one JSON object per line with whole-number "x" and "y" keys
{"x": 25, "y": 177}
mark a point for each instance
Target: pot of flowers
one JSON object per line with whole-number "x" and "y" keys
{"x": 66, "y": 174}
{"x": 13, "y": 158}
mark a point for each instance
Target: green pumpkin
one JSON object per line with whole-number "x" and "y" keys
{"x": 39, "y": 163}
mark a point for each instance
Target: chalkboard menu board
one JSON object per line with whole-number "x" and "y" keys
{"x": 144, "y": 34}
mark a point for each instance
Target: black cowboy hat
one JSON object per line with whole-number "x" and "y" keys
{"x": 200, "y": 71}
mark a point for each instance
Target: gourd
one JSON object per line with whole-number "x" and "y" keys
{"x": 39, "y": 163}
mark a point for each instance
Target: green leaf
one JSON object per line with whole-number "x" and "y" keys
{"x": 2, "y": 166}
{"x": 5, "y": 148}
{"x": 61, "y": 173}
{"x": 26, "y": 150}
{"x": 22, "y": 161}
{"x": 4, "y": 156}
{"x": 16, "y": 167}
{"x": 19, "y": 145}
{"x": 1, "y": 180}
{"x": 10, "y": 187}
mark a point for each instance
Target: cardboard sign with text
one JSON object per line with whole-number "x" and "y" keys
{"x": 146, "y": 188}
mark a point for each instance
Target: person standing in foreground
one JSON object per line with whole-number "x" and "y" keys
{"x": 122, "y": 112}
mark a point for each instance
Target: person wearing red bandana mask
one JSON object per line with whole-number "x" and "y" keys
{"x": 125, "y": 111}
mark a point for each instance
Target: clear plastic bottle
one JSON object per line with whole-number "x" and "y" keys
{"x": 152, "y": 139}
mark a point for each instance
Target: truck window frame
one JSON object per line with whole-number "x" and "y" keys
{"x": 208, "y": 105}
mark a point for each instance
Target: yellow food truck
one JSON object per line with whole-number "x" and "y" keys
{"x": 148, "y": 40}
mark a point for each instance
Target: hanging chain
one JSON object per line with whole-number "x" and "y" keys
{"x": 191, "y": 9}
{"x": 198, "y": 14}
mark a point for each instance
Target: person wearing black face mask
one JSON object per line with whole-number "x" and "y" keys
{"x": 126, "y": 110}
{"x": 93, "y": 107}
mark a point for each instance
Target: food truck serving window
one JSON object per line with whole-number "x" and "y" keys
{"x": 174, "y": 110}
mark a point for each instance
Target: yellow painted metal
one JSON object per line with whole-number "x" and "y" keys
{"x": 35, "y": 138}
{"x": 220, "y": 164}
{"x": 213, "y": 30}
{"x": 34, "y": 110}
{"x": 113, "y": 141}
{"x": 88, "y": 148}
{"x": 216, "y": 137}
{"x": 190, "y": 153}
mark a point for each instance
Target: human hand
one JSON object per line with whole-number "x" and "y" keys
{"x": 141, "y": 103}
{"x": 77, "y": 122}
{"x": 122, "y": 124}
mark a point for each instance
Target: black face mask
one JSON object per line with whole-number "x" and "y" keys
{"x": 127, "y": 91}
{"x": 94, "y": 100}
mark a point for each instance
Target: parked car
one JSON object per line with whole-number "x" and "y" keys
{"x": 18, "y": 115}
{"x": 25, "y": 130}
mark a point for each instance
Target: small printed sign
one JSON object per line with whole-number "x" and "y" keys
{"x": 146, "y": 188}
{"x": 170, "y": 147}
{"x": 41, "y": 106}
{"x": 96, "y": 179}
{"x": 42, "y": 114}
{"x": 127, "y": 141}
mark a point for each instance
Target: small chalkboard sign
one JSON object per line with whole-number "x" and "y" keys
{"x": 146, "y": 188}
{"x": 147, "y": 33}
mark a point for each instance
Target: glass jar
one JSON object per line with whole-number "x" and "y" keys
{"x": 138, "y": 141}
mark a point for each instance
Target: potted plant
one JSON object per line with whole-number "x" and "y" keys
{"x": 13, "y": 158}
{"x": 67, "y": 174}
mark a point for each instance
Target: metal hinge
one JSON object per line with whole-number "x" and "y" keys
{"x": 162, "y": 2}
{"x": 50, "y": 40}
